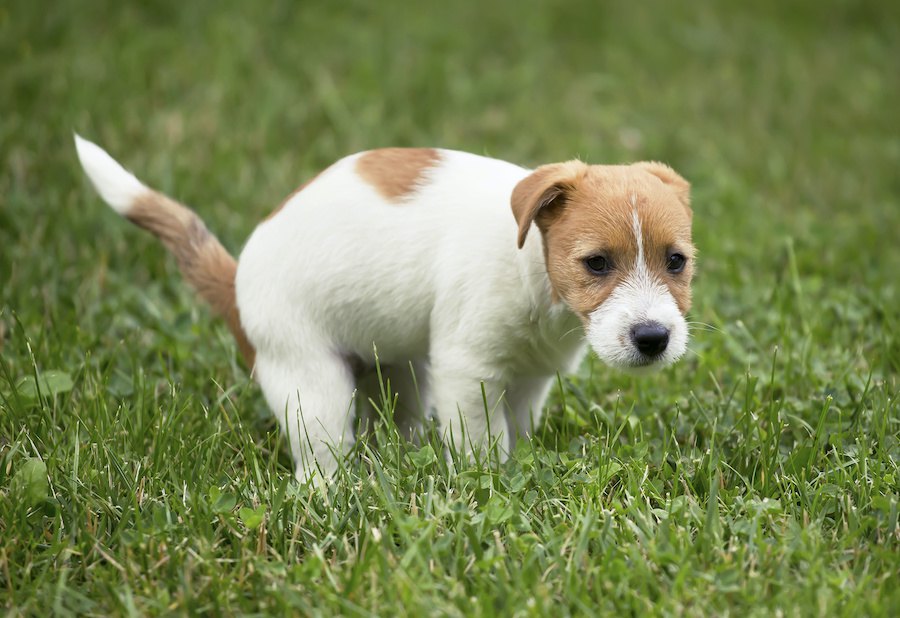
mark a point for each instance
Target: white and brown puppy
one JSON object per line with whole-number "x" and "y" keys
{"x": 431, "y": 256}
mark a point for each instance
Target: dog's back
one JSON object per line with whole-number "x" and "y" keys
{"x": 359, "y": 265}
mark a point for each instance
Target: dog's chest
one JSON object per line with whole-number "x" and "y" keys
{"x": 550, "y": 341}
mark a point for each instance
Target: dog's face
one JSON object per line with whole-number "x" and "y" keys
{"x": 617, "y": 244}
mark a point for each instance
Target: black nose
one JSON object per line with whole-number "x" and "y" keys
{"x": 650, "y": 338}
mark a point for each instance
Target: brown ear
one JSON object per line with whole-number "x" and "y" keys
{"x": 546, "y": 186}
{"x": 679, "y": 185}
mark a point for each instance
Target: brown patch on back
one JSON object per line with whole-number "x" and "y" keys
{"x": 592, "y": 215}
{"x": 202, "y": 259}
{"x": 396, "y": 172}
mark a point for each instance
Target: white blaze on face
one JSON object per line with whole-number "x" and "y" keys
{"x": 639, "y": 299}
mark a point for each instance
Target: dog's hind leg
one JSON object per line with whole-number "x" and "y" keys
{"x": 313, "y": 398}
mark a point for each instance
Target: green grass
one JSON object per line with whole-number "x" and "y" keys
{"x": 140, "y": 472}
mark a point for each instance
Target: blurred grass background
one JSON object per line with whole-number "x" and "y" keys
{"x": 783, "y": 116}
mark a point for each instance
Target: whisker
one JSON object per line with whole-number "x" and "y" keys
{"x": 704, "y": 326}
{"x": 570, "y": 331}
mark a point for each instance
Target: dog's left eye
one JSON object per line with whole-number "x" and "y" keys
{"x": 675, "y": 263}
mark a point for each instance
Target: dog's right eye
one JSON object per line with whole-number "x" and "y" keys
{"x": 597, "y": 265}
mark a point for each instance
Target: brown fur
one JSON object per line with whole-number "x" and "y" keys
{"x": 584, "y": 211}
{"x": 203, "y": 261}
{"x": 396, "y": 172}
{"x": 545, "y": 188}
{"x": 670, "y": 177}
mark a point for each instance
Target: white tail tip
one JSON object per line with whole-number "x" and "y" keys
{"x": 116, "y": 185}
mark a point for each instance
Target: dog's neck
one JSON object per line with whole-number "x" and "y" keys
{"x": 556, "y": 334}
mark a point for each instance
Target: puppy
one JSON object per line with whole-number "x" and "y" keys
{"x": 476, "y": 281}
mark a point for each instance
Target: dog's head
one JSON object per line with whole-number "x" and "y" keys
{"x": 617, "y": 245}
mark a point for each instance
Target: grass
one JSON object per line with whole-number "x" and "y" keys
{"x": 139, "y": 471}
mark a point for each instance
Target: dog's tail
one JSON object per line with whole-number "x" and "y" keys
{"x": 203, "y": 260}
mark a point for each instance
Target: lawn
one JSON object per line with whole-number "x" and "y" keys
{"x": 139, "y": 470}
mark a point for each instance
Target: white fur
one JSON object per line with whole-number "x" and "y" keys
{"x": 435, "y": 280}
{"x": 116, "y": 185}
{"x": 639, "y": 298}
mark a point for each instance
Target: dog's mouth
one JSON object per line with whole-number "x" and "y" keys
{"x": 648, "y": 361}
{"x": 641, "y": 364}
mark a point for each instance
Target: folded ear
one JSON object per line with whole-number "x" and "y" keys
{"x": 679, "y": 185}
{"x": 547, "y": 186}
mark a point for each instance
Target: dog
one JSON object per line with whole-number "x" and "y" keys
{"x": 472, "y": 281}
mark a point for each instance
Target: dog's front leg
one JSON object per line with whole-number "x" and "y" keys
{"x": 467, "y": 403}
{"x": 526, "y": 398}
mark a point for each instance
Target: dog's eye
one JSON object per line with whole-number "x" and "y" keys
{"x": 675, "y": 263}
{"x": 597, "y": 264}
